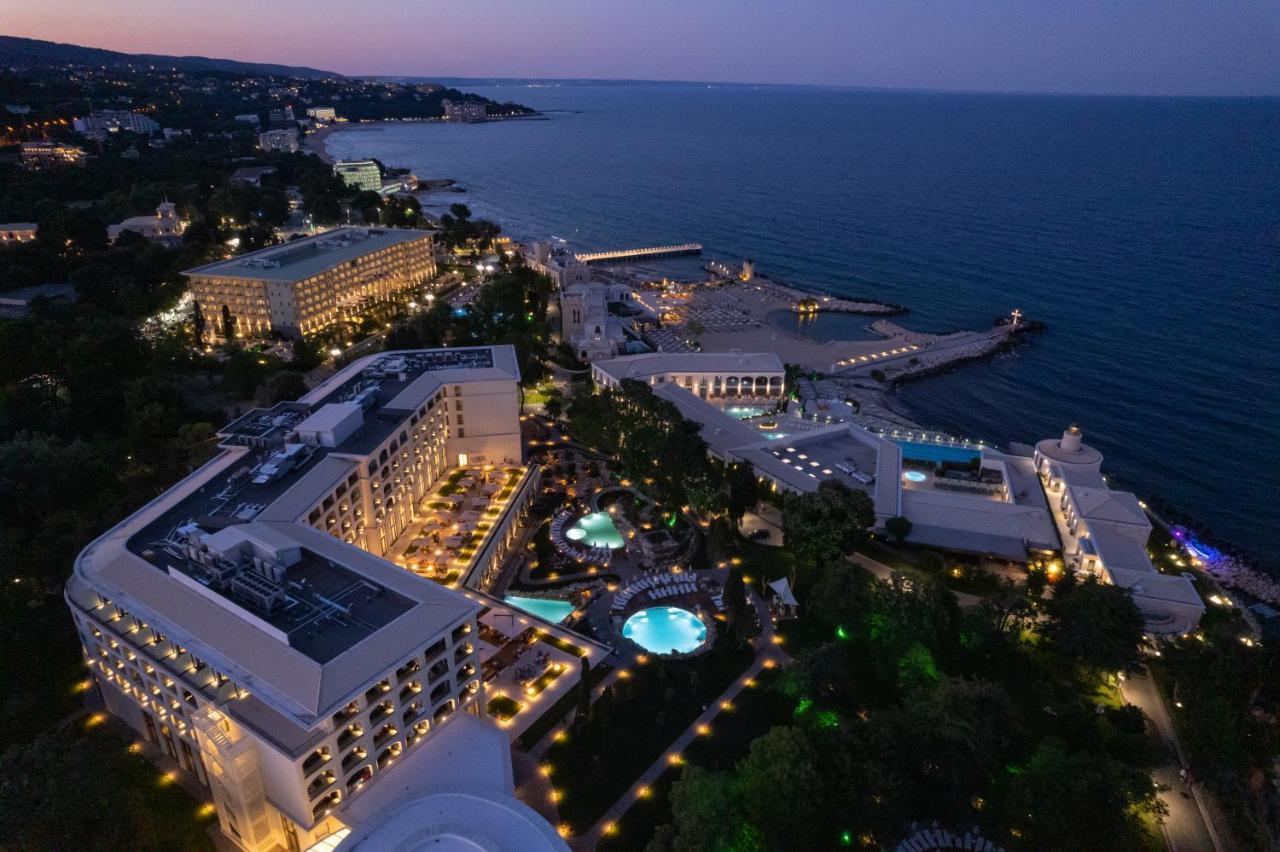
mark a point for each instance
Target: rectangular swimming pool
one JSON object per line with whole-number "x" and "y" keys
{"x": 544, "y": 608}
{"x": 936, "y": 452}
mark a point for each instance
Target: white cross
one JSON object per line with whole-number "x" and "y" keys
{"x": 1017, "y": 315}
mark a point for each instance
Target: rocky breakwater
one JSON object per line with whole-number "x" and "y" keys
{"x": 939, "y": 353}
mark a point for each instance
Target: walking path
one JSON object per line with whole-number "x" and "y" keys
{"x": 768, "y": 655}
{"x": 1188, "y": 827}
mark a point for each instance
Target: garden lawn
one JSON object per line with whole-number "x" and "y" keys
{"x": 632, "y": 724}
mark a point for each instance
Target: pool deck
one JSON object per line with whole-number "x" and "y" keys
{"x": 511, "y": 622}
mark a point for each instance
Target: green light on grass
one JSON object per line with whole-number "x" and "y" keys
{"x": 846, "y": 838}
{"x": 828, "y": 719}
{"x": 841, "y": 633}
{"x": 803, "y": 706}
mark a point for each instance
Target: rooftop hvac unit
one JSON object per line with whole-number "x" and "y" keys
{"x": 262, "y": 593}
{"x": 272, "y": 569}
{"x": 221, "y": 573}
{"x": 367, "y": 397}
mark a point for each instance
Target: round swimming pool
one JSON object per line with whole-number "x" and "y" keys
{"x": 914, "y": 476}
{"x": 665, "y": 630}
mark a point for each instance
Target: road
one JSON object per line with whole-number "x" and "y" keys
{"x": 1187, "y": 828}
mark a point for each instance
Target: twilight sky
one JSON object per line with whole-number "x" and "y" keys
{"x": 1159, "y": 47}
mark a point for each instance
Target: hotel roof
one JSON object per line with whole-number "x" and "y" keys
{"x": 657, "y": 363}
{"x": 301, "y": 259}
{"x": 728, "y": 437}
{"x": 351, "y": 615}
{"x": 1103, "y": 504}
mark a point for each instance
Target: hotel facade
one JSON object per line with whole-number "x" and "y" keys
{"x": 709, "y": 375}
{"x": 244, "y": 623}
{"x": 303, "y": 287}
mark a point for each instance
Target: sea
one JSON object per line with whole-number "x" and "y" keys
{"x": 1145, "y": 232}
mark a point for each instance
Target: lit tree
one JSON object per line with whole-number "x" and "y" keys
{"x": 826, "y": 523}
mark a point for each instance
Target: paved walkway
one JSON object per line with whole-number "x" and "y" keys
{"x": 768, "y": 655}
{"x": 1188, "y": 827}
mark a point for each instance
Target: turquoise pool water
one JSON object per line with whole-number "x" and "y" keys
{"x": 776, "y": 436}
{"x": 743, "y": 412}
{"x": 596, "y": 530}
{"x": 665, "y": 630}
{"x": 936, "y": 452}
{"x": 544, "y": 608}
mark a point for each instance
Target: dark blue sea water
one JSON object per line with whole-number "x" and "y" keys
{"x": 1145, "y": 232}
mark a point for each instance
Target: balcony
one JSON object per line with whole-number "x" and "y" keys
{"x": 444, "y": 710}
{"x": 315, "y": 760}
{"x": 356, "y": 781}
{"x": 353, "y": 758}
{"x": 437, "y": 671}
{"x": 408, "y": 669}
{"x": 379, "y": 689}
{"x": 389, "y": 754}
{"x": 350, "y": 735}
{"x": 326, "y": 804}
{"x": 346, "y": 713}
{"x": 320, "y": 783}
{"x": 382, "y": 711}
{"x": 385, "y": 733}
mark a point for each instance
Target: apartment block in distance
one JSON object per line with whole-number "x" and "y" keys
{"x": 240, "y": 623}
{"x": 464, "y": 111}
{"x": 100, "y": 124}
{"x": 359, "y": 174}
{"x": 283, "y": 139}
{"x": 48, "y": 155}
{"x": 302, "y": 287}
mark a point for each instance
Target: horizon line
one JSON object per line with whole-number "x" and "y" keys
{"x": 620, "y": 81}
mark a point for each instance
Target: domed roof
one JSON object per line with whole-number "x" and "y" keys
{"x": 458, "y": 821}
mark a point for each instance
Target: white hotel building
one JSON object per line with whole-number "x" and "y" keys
{"x": 709, "y": 375}
{"x": 1024, "y": 504}
{"x": 245, "y": 623}
{"x": 1105, "y": 533}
